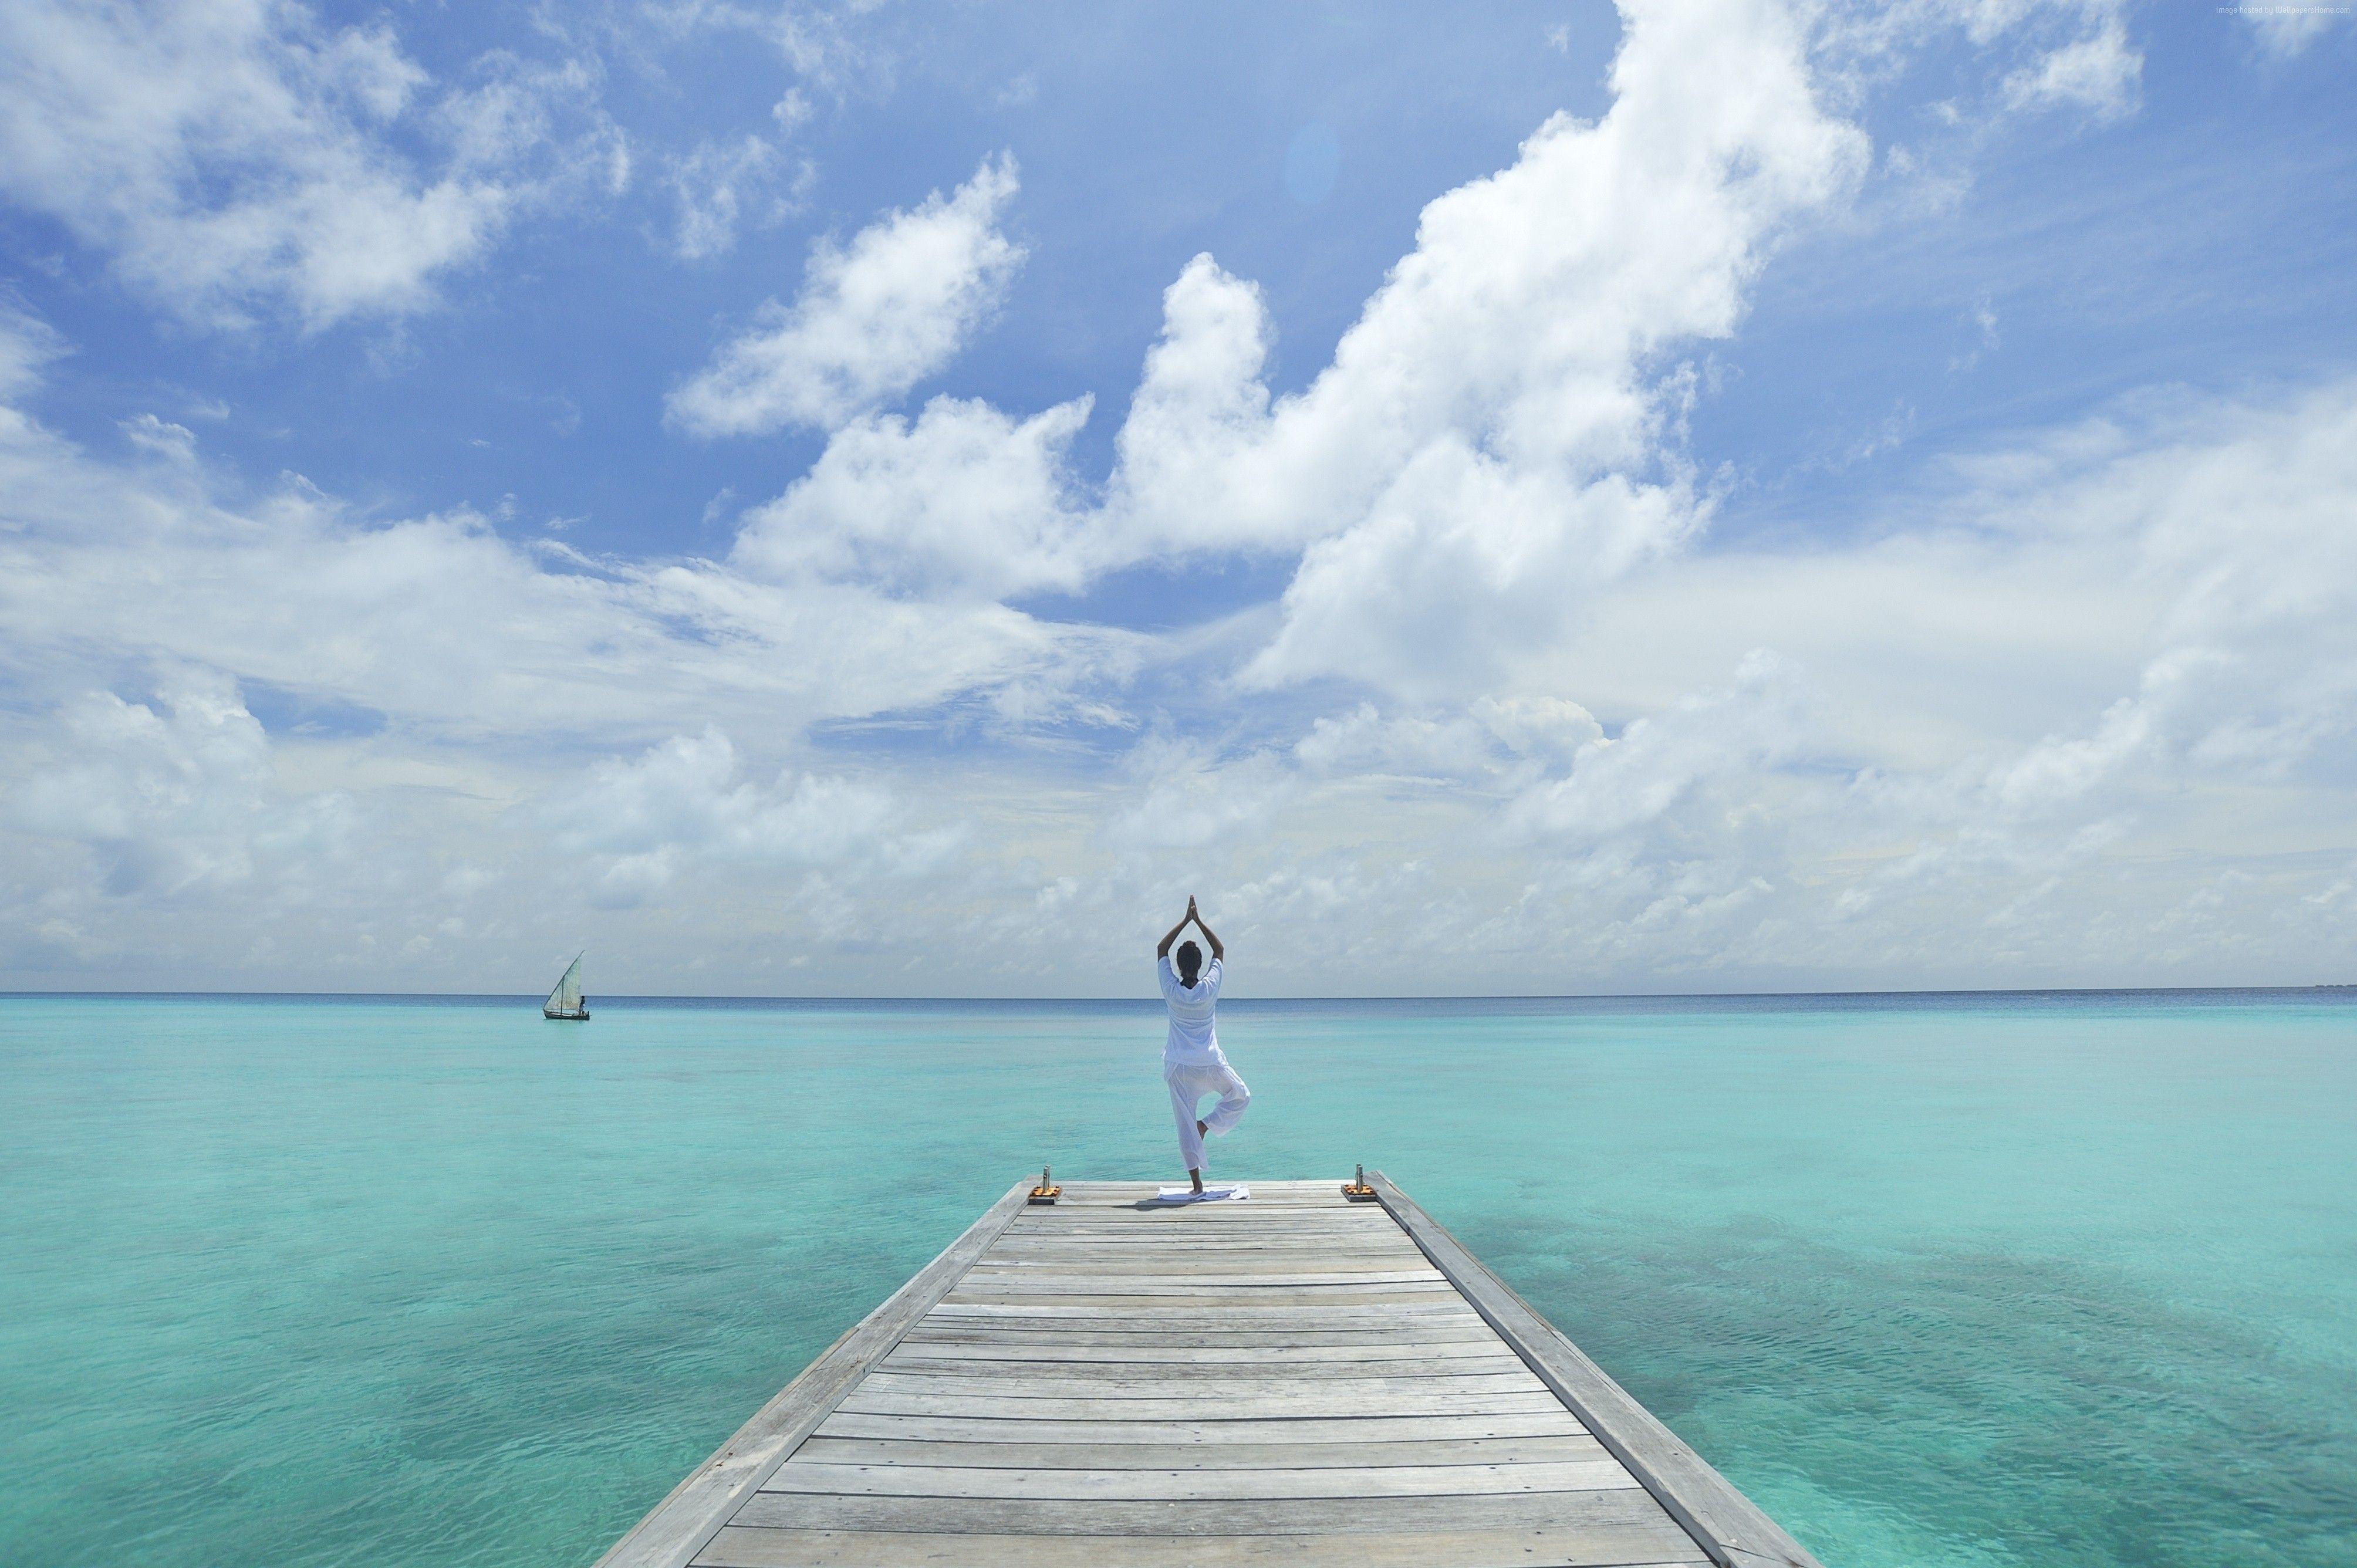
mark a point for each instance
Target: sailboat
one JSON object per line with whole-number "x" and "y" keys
{"x": 566, "y": 1001}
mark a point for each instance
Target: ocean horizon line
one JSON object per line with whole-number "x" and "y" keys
{"x": 650, "y": 999}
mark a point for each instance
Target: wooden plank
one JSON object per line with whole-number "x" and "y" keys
{"x": 677, "y": 1527}
{"x": 1259, "y": 1275}
{"x": 1128, "y": 1282}
{"x": 1118, "y": 1240}
{"x": 1159, "y": 1232}
{"x": 1234, "y": 1407}
{"x": 1187, "y": 1249}
{"x": 1210, "y": 1361}
{"x": 1142, "y": 1187}
{"x": 1120, "y": 1256}
{"x": 1170, "y": 1262}
{"x": 1218, "y": 1211}
{"x": 1729, "y": 1527}
{"x": 823, "y": 1449}
{"x": 1203, "y": 1218}
{"x": 1544, "y": 1546}
{"x": 1114, "y": 1245}
{"x": 1124, "y": 1383}
{"x": 1325, "y": 1298}
{"x": 1116, "y": 1259}
{"x": 1193, "y": 1255}
{"x": 1446, "y": 1302}
{"x": 1152, "y": 1204}
{"x": 1092, "y": 1264}
{"x": 904, "y": 1480}
{"x": 1554, "y": 1422}
{"x": 1265, "y": 1195}
{"x": 1474, "y": 1336}
{"x": 1292, "y": 1381}
{"x": 1049, "y": 1380}
{"x": 1318, "y": 1329}
{"x": 1627, "y": 1504}
{"x": 1044, "y": 1317}
{"x": 1244, "y": 1290}
{"x": 1149, "y": 1352}
{"x": 1174, "y": 1243}
{"x": 1147, "y": 1235}
{"x": 1210, "y": 1379}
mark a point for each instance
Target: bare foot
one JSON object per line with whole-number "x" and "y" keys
{"x": 1198, "y": 1179}
{"x": 1202, "y": 1129}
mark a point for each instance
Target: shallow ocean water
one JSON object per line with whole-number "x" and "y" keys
{"x": 1938, "y": 1281}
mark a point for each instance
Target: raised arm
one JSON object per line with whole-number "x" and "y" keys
{"x": 1172, "y": 935}
{"x": 1219, "y": 951}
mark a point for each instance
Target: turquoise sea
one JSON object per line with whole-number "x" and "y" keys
{"x": 1941, "y": 1281}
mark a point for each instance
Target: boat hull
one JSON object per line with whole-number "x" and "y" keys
{"x": 580, "y": 1017}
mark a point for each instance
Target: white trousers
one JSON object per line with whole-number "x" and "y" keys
{"x": 1187, "y": 1086}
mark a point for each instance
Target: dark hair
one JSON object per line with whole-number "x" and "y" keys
{"x": 1191, "y": 959}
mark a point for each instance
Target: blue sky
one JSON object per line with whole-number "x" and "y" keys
{"x": 886, "y": 499}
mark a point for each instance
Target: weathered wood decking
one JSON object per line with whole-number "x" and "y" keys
{"x": 1291, "y": 1380}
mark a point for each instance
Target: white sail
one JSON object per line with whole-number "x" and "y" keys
{"x": 566, "y": 997}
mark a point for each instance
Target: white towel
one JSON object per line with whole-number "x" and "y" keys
{"x": 1189, "y": 1195}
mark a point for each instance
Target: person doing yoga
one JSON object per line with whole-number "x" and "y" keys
{"x": 1192, "y": 1064}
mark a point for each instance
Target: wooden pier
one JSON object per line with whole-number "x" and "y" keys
{"x": 1291, "y": 1380}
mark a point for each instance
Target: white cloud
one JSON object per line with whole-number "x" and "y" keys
{"x": 440, "y": 823}
{"x": 2285, "y": 30}
{"x": 1628, "y": 784}
{"x": 177, "y": 443}
{"x": 875, "y": 316}
{"x": 2100, "y": 73}
{"x": 633, "y": 824}
{"x": 1185, "y": 478}
{"x": 2026, "y": 738}
{"x": 2088, "y": 719}
{"x": 719, "y": 186}
{"x": 965, "y": 502}
{"x": 171, "y": 798}
{"x": 1507, "y": 740}
{"x": 2079, "y": 709}
{"x": 28, "y": 345}
{"x": 232, "y": 154}
{"x": 445, "y": 626}
{"x": 1495, "y": 434}
{"x": 820, "y": 43}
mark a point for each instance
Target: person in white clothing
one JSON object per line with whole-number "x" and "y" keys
{"x": 1191, "y": 1062}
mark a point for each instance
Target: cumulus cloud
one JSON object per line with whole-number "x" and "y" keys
{"x": 1495, "y": 736}
{"x": 171, "y": 797}
{"x": 688, "y": 801}
{"x": 1492, "y": 433}
{"x": 2117, "y": 669}
{"x": 1496, "y": 417}
{"x": 965, "y": 501}
{"x": 1903, "y": 798}
{"x": 1628, "y": 783}
{"x": 233, "y": 155}
{"x": 875, "y": 316}
{"x": 1516, "y": 722}
{"x": 446, "y": 626}
{"x": 1493, "y": 436}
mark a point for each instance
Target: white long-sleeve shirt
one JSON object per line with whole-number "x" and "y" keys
{"x": 1194, "y": 1041}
